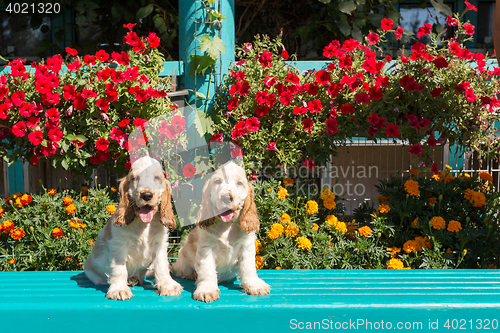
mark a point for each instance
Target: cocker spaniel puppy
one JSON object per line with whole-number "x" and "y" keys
{"x": 135, "y": 237}
{"x": 223, "y": 243}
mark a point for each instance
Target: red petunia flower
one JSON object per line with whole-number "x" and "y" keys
{"x": 237, "y": 152}
{"x": 217, "y": 137}
{"x": 261, "y": 111}
{"x": 434, "y": 168}
{"x": 415, "y": 149}
{"x": 309, "y": 163}
{"x": 284, "y": 54}
{"x": 124, "y": 122}
{"x": 307, "y": 125}
{"x": 189, "y": 170}
{"x": 431, "y": 141}
{"x": 102, "y": 104}
{"x": 253, "y": 124}
{"x": 392, "y": 130}
{"x": 71, "y": 51}
{"x": 265, "y": 59}
{"x": 153, "y": 40}
{"x": 314, "y": 106}
{"x": 35, "y": 137}
{"x": 436, "y": 92}
{"x": 298, "y": 110}
{"x": 469, "y": 29}
{"x": 425, "y": 30}
{"x": 469, "y": 6}
{"x": 272, "y": 146}
{"x": 102, "y": 144}
{"x": 386, "y": 24}
{"x": 372, "y": 38}
{"x": 323, "y": 77}
{"x": 129, "y": 26}
{"x": 452, "y": 22}
{"x": 102, "y": 56}
{"x": 19, "y": 129}
{"x": 399, "y": 32}
{"x": 331, "y": 126}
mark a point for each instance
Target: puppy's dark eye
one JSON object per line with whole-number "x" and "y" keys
{"x": 136, "y": 178}
{"x": 239, "y": 183}
{"x": 157, "y": 178}
{"x": 218, "y": 182}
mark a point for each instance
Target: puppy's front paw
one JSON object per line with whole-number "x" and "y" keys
{"x": 257, "y": 289}
{"x": 133, "y": 281}
{"x": 206, "y": 296}
{"x": 119, "y": 294}
{"x": 169, "y": 289}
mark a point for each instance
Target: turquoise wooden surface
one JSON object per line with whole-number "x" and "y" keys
{"x": 67, "y": 301}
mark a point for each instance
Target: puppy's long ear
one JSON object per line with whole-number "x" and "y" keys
{"x": 249, "y": 219}
{"x": 125, "y": 213}
{"x": 206, "y": 217}
{"x": 166, "y": 211}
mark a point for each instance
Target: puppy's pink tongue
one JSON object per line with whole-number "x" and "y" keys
{"x": 146, "y": 214}
{"x": 226, "y": 216}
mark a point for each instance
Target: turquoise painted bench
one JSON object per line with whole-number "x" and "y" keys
{"x": 300, "y": 300}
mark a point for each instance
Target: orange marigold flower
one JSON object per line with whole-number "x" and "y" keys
{"x": 57, "y": 232}
{"x": 383, "y": 199}
{"x": 454, "y": 226}
{"x": 74, "y": 224}
{"x": 84, "y": 198}
{"x": 413, "y": 172}
{"x": 341, "y": 227}
{"x": 423, "y": 243}
{"x": 113, "y": 189}
{"x": 291, "y": 230}
{"x": 410, "y": 246}
{"x": 12, "y": 261}
{"x": 303, "y": 243}
{"x": 26, "y": 199}
{"x": 2, "y": 212}
{"x": 329, "y": 203}
{"x": 315, "y": 227}
{"x": 8, "y": 225}
{"x": 288, "y": 182}
{"x": 111, "y": 209}
{"x": 411, "y": 187}
{"x": 18, "y": 202}
{"x": 276, "y": 230}
{"x": 365, "y": 231}
{"x": 257, "y": 246}
{"x": 395, "y": 263}
{"x": 384, "y": 209}
{"x": 17, "y": 195}
{"x": 85, "y": 190}
{"x": 282, "y": 193}
{"x": 327, "y": 193}
{"x": 331, "y": 220}
{"x": 438, "y": 222}
{"x": 433, "y": 201}
{"x": 492, "y": 266}
{"x": 71, "y": 209}
{"x": 259, "y": 262}
{"x": 68, "y": 257}
{"x": 312, "y": 207}
{"x": 17, "y": 233}
{"x": 52, "y": 191}
{"x": 415, "y": 222}
{"x": 285, "y": 218}
{"x": 278, "y": 267}
{"x": 67, "y": 201}
{"x": 485, "y": 176}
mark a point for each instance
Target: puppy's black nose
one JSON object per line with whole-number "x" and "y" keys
{"x": 227, "y": 198}
{"x": 146, "y": 196}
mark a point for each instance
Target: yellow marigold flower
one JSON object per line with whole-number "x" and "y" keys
{"x": 17, "y": 195}
{"x": 12, "y": 261}
{"x": 278, "y": 267}
{"x": 285, "y": 218}
{"x": 383, "y": 199}
{"x": 465, "y": 251}
{"x": 327, "y": 193}
{"x": 82, "y": 225}
{"x": 485, "y": 176}
{"x": 291, "y": 230}
{"x": 331, "y": 220}
{"x": 17, "y": 233}
{"x": 415, "y": 223}
{"x": 304, "y": 243}
{"x": 7, "y": 226}
{"x": 448, "y": 167}
{"x": 454, "y": 226}
{"x": 395, "y": 263}
{"x": 288, "y": 182}
{"x": 257, "y": 246}
{"x": 312, "y": 207}
{"x": 315, "y": 227}
{"x": 113, "y": 189}
{"x": 394, "y": 250}
{"x": 492, "y": 266}
{"x": 70, "y": 209}
{"x": 413, "y": 172}
{"x": 411, "y": 187}
{"x": 384, "y": 209}
{"x": 282, "y": 193}
{"x": 410, "y": 246}
{"x": 341, "y": 227}
{"x": 329, "y": 203}
{"x": 57, "y": 232}
{"x": 2, "y": 212}
{"x": 276, "y": 230}
{"x": 365, "y": 231}
{"x": 18, "y": 202}
{"x": 433, "y": 201}
{"x": 435, "y": 177}
{"x": 52, "y": 191}
{"x": 111, "y": 209}
{"x": 84, "y": 198}
{"x": 259, "y": 262}
{"x": 73, "y": 224}
{"x": 268, "y": 190}
{"x": 485, "y": 188}
{"x": 67, "y": 201}
{"x": 438, "y": 222}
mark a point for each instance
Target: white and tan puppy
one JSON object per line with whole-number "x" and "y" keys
{"x": 136, "y": 236}
{"x": 223, "y": 243}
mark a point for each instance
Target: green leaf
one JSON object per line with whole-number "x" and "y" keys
{"x": 203, "y": 123}
{"x": 347, "y": 6}
{"x": 65, "y": 164}
{"x": 199, "y": 64}
{"x": 160, "y": 24}
{"x": 200, "y": 95}
{"x": 65, "y": 146}
{"x": 144, "y": 12}
{"x": 80, "y": 20}
{"x": 375, "y": 19}
{"x": 213, "y": 46}
{"x": 81, "y": 138}
{"x": 441, "y": 7}
{"x": 344, "y": 26}
{"x": 356, "y": 34}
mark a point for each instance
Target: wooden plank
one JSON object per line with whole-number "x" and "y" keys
{"x": 325, "y": 299}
